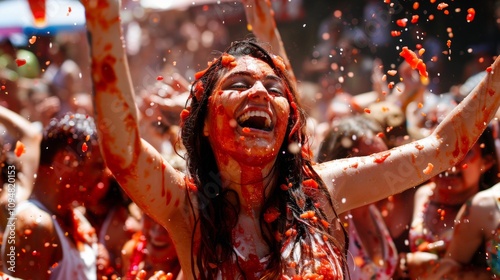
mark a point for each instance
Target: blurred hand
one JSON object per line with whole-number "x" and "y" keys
{"x": 159, "y": 275}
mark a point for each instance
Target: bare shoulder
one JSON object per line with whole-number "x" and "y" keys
{"x": 32, "y": 217}
{"x": 482, "y": 211}
{"x": 34, "y": 241}
{"x": 485, "y": 203}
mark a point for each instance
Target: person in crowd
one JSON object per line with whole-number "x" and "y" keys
{"x": 438, "y": 202}
{"x": 108, "y": 211}
{"x": 40, "y": 105}
{"x": 251, "y": 203}
{"x": 51, "y": 239}
{"x": 160, "y": 106}
{"x": 476, "y": 239}
{"x": 63, "y": 75}
{"x": 372, "y": 253}
{"x": 151, "y": 250}
{"x": 19, "y": 153}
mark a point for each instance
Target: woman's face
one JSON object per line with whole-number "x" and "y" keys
{"x": 465, "y": 175}
{"x": 248, "y": 113}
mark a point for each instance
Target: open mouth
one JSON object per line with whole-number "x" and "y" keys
{"x": 256, "y": 120}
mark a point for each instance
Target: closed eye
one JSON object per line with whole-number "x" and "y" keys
{"x": 239, "y": 86}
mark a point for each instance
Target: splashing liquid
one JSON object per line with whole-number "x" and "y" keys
{"x": 38, "y": 10}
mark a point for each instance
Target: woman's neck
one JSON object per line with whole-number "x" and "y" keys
{"x": 251, "y": 183}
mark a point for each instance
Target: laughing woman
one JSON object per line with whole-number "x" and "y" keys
{"x": 252, "y": 205}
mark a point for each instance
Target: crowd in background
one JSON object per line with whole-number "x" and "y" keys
{"x": 361, "y": 97}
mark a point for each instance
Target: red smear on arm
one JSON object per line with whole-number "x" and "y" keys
{"x": 380, "y": 158}
{"x": 310, "y": 183}
{"x": 20, "y": 149}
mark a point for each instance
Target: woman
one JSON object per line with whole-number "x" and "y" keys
{"x": 477, "y": 230}
{"x": 372, "y": 252}
{"x": 438, "y": 202}
{"x": 150, "y": 250}
{"x": 252, "y": 204}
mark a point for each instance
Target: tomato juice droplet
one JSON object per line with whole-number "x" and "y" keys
{"x": 414, "y": 19}
{"x": 37, "y": 8}
{"x": 20, "y": 149}
{"x": 470, "y": 14}
{"x": 380, "y": 158}
{"x": 84, "y": 147}
{"x": 159, "y": 78}
{"x": 402, "y": 22}
{"x": 20, "y": 62}
{"x": 395, "y": 33}
{"x": 32, "y": 40}
{"x": 428, "y": 169}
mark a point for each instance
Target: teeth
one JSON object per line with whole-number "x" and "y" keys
{"x": 249, "y": 114}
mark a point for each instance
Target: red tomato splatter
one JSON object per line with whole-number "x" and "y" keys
{"x": 228, "y": 60}
{"x": 367, "y": 111}
{"x": 470, "y": 14}
{"x": 84, "y": 147}
{"x": 20, "y": 62}
{"x": 200, "y": 73}
{"x": 442, "y": 6}
{"x": 414, "y": 19}
{"x": 279, "y": 62}
{"x": 415, "y": 63}
{"x": 184, "y": 115}
{"x": 310, "y": 183}
{"x": 395, "y": 33}
{"x": 402, "y": 22}
{"x": 159, "y": 78}
{"x": 428, "y": 169}
{"x": 380, "y": 158}
{"x": 271, "y": 215}
{"x": 20, "y": 149}
{"x": 308, "y": 214}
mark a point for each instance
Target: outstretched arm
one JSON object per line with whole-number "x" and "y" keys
{"x": 359, "y": 181}
{"x": 139, "y": 168}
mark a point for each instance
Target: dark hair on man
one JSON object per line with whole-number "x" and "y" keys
{"x": 73, "y": 132}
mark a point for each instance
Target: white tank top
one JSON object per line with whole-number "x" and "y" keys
{"x": 75, "y": 264}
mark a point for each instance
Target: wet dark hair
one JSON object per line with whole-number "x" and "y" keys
{"x": 290, "y": 232}
{"x": 488, "y": 149}
{"x": 72, "y": 132}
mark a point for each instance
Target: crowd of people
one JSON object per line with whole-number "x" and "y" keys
{"x": 352, "y": 164}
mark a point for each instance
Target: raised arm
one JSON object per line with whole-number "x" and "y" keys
{"x": 139, "y": 168}
{"x": 24, "y": 131}
{"x": 359, "y": 181}
{"x": 260, "y": 19}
